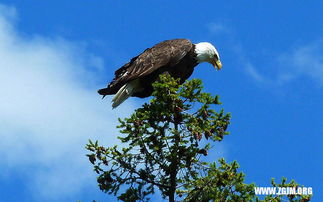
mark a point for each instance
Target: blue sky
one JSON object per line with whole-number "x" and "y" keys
{"x": 55, "y": 54}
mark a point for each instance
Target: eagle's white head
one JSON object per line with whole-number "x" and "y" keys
{"x": 206, "y": 52}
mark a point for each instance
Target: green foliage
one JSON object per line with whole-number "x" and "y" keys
{"x": 165, "y": 142}
{"x": 220, "y": 183}
{"x": 291, "y": 197}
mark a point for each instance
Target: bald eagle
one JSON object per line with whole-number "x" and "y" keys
{"x": 177, "y": 57}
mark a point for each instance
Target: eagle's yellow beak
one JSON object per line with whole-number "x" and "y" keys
{"x": 217, "y": 64}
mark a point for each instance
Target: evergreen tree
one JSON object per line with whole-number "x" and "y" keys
{"x": 165, "y": 144}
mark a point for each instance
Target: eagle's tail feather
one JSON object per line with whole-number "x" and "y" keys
{"x": 125, "y": 92}
{"x": 104, "y": 91}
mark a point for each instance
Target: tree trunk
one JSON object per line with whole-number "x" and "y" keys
{"x": 174, "y": 167}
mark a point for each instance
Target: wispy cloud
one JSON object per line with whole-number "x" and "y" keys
{"x": 301, "y": 62}
{"x": 305, "y": 61}
{"x": 251, "y": 70}
{"x": 49, "y": 109}
{"x": 217, "y": 28}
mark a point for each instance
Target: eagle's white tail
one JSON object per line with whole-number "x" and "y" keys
{"x": 124, "y": 92}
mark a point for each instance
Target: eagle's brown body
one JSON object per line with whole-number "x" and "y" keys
{"x": 175, "y": 57}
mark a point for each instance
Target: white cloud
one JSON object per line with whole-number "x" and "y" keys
{"x": 301, "y": 62}
{"x": 304, "y": 61}
{"x": 49, "y": 109}
{"x": 217, "y": 28}
{"x": 251, "y": 70}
